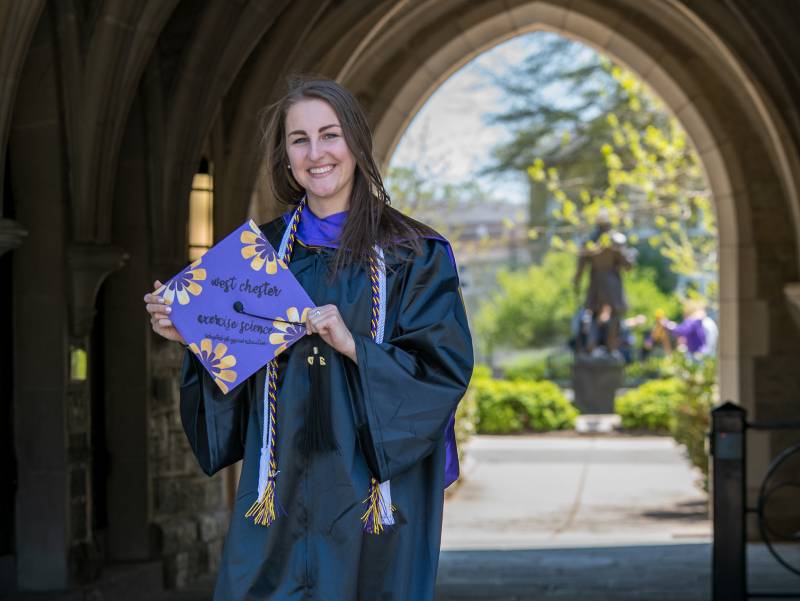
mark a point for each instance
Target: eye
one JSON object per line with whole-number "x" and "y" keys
{"x": 331, "y": 136}
{"x": 299, "y": 140}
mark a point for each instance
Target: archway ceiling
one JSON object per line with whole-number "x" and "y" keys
{"x": 392, "y": 53}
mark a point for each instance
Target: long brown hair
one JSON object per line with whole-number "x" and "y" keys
{"x": 370, "y": 219}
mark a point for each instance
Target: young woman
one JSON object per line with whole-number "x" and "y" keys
{"x": 341, "y": 496}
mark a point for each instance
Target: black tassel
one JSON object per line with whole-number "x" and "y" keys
{"x": 319, "y": 424}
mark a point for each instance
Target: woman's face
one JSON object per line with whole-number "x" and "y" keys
{"x": 319, "y": 157}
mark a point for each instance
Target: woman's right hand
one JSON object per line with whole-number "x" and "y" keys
{"x": 159, "y": 310}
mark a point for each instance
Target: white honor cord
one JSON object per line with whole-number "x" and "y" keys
{"x": 386, "y": 489}
{"x": 266, "y": 441}
{"x": 285, "y": 239}
{"x": 265, "y": 461}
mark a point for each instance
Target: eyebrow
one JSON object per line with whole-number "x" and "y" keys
{"x": 321, "y": 129}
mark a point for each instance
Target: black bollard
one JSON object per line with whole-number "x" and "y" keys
{"x": 729, "y": 569}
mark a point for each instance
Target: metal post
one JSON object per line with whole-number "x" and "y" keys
{"x": 729, "y": 570}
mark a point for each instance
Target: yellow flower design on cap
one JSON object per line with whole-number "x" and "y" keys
{"x": 258, "y": 249}
{"x": 183, "y": 284}
{"x": 216, "y": 362}
{"x": 289, "y": 332}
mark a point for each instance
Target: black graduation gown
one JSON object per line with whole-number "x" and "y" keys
{"x": 389, "y": 413}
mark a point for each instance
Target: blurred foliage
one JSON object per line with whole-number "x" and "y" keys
{"x": 647, "y": 256}
{"x": 548, "y": 364}
{"x": 534, "y": 307}
{"x": 467, "y": 416}
{"x": 506, "y": 407}
{"x": 651, "y": 406}
{"x": 681, "y": 404}
{"x": 595, "y": 138}
{"x": 529, "y": 308}
{"x": 650, "y": 369}
{"x": 692, "y": 418}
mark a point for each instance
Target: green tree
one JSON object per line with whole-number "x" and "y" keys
{"x": 599, "y": 140}
{"x": 534, "y": 307}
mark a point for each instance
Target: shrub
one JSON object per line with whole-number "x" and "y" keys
{"x": 506, "y": 406}
{"x": 700, "y": 394}
{"x": 650, "y": 368}
{"x": 651, "y": 406}
{"x": 467, "y": 412}
{"x": 680, "y": 404}
{"x": 549, "y": 364}
{"x": 559, "y": 366}
{"x": 532, "y": 367}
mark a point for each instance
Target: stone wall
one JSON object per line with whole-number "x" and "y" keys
{"x": 190, "y": 512}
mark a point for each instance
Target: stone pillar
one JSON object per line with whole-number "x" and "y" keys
{"x": 89, "y": 265}
{"x": 128, "y": 339}
{"x": 40, "y": 323}
{"x": 54, "y": 288}
{"x": 11, "y": 235}
{"x": 792, "y": 293}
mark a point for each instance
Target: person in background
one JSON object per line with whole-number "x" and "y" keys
{"x": 697, "y": 333}
{"x": 658, "y": 335}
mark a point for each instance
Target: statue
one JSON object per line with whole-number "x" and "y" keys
{"x": 607, "y": 254}
{"x": 598, "y": 368}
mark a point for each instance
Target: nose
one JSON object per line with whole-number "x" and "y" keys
{"x": 315, "y": 150}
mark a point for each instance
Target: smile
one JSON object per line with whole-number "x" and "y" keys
{"x": 321, "y": 170}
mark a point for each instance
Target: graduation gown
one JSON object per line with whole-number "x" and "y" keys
{"x": 389, "y": 413}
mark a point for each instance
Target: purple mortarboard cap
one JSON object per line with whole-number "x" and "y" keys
{"x": 238, "y": 306}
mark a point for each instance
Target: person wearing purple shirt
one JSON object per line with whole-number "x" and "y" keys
{"x": 697, "y": 332}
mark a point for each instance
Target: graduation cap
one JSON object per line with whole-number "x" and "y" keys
{"x": 238, "y": 306}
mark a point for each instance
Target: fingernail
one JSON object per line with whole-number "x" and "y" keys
{"x": 168, "y": 309}
{"x": 164, "y": 322}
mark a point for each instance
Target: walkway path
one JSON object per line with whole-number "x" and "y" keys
{"x": 568, "y": 518}
{"x": 544, "y": 491}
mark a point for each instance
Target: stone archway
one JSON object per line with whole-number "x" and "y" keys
{"x": 157, "y": 80}
{"x": 735, "y": 129}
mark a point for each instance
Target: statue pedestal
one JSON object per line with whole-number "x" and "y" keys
{"x": 595, "y": 380}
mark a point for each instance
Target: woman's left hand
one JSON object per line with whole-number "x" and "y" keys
{"x": 328, "y": 323}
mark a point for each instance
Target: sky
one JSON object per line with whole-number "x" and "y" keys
{"x": 450, "y": 135}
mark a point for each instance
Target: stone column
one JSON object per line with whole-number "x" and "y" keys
{"x": 88, "y": 266}
{"x": 11, "y": 235}
{"x": 792, "y": 293}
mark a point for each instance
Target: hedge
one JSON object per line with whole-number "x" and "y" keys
{"x": 506, "y": 407}
{"x": 651, "y": 406}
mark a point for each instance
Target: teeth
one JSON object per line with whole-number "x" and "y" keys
{"x": 321, "y": 170}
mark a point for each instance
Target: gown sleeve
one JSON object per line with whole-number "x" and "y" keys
{"x": 215, "y": 423}
{"x": 405, "y": 390}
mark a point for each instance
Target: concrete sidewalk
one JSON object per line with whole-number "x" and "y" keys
{"x": 544, "y": 491}
{"x": 676, "y": 572}
{"x": 568, "y": 518}
{"x": 572, "y": 518}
